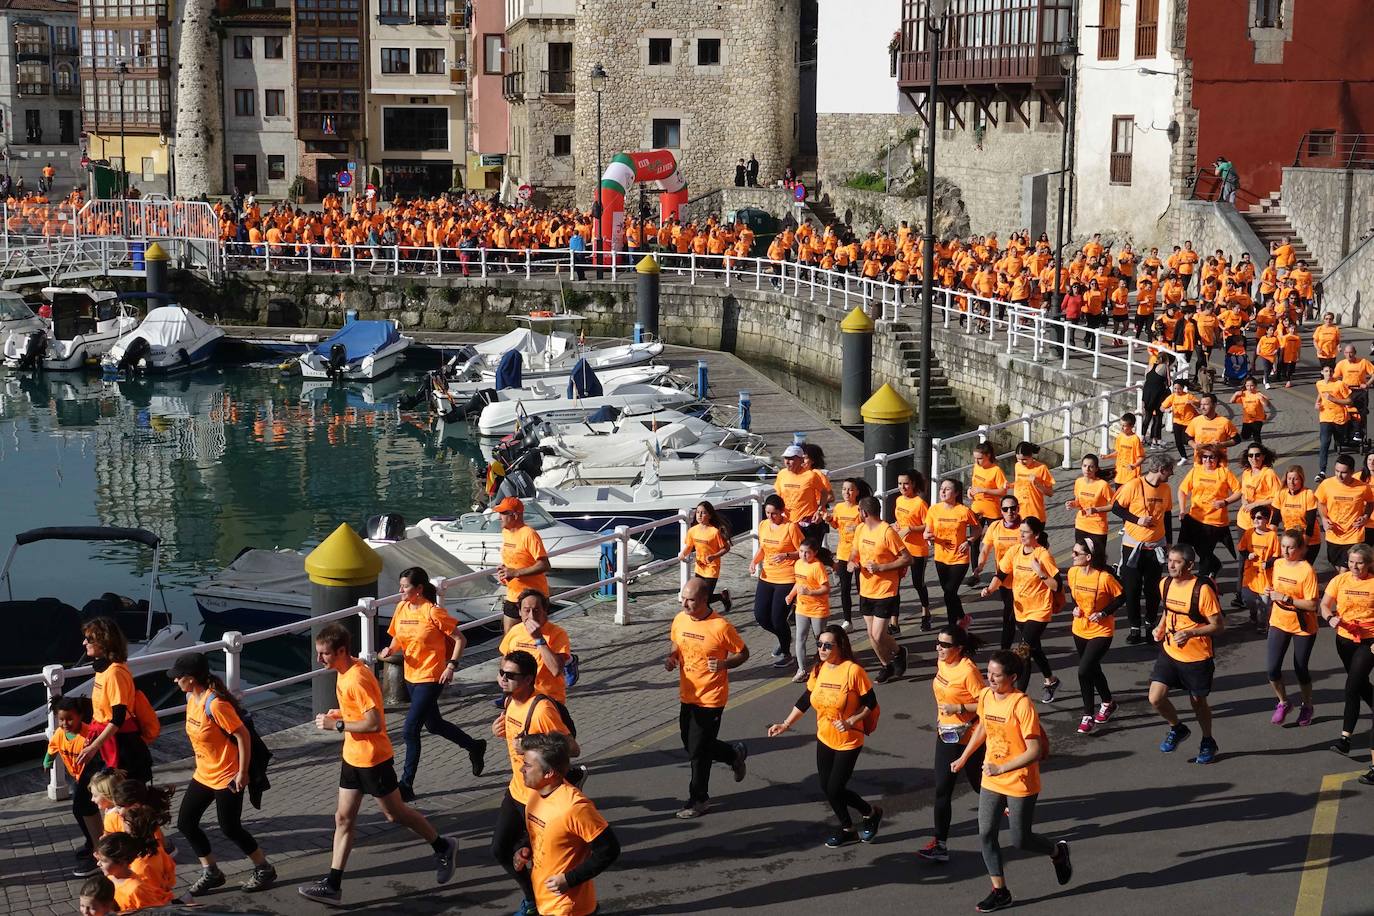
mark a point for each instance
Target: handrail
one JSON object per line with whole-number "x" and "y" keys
{"x": 1212, "y": 188}
{"x": 1334, "y": 149}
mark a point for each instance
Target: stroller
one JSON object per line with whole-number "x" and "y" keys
{"x": 1236, "y": 367}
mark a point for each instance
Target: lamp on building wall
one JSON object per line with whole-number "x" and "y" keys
{"x": 122, "y": 70}
{"x": 934, "y": 24}
{"x": 598, "y": 79}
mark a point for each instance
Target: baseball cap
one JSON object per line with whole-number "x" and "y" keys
{"x": 192, "y": 663}
{"x": 509, "y": 504}
{"x": 793, "y": 451}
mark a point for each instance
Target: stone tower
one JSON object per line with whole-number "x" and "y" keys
{"x": 716, "y": 81}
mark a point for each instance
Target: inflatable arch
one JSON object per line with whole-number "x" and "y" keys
{"x": 625, "y": 169}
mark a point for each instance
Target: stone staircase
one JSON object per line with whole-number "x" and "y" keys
{"x": 944, "y": 406}
{"x": 1271, "y": 224}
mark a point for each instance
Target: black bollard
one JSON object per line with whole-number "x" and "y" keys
{"x": 343, "y": 569}
{"x": 155, "y": 261}
{"x": 856, "y": 366}
{"x": 646, "y": 294}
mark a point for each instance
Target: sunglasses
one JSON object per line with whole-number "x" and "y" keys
{"x": 943, "y": 645}
{"x": 824, "y": 645}
{"x": 1010, "y": 508}
{"x": 1209, "y": 457}
{"x": 509, "y": 675}
{"x": 1254, "y": 454}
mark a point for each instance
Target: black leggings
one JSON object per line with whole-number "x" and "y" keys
{"x": 1140, "y": 573}
{"x": 1359, "y": 663}
{"x": 134, "y": 758}
{"x": 1181, "y": 439}
{"x": 945, "y": 754}
{"x": 83, "y": 806}
{"x": 770, "y": 611}
{"x": 1091, "y": 680}
{"x": 848, "y": 580}
{"x": 228, "y": 810}
{"x": 951, "y": 576}
{"x": 507, "y": 836}
{"x": 1031, "y": 631}
{"x": 834, "y": 769}
{"x": 1302, "y": 653}
{"x": 918, "y": 579}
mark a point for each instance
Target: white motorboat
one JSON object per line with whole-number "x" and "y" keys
{"x": 584, "y": 398}
{"x": 475, "y": 538}
{"x": 16, "y": 316}
{"x": 171, "y": 338}
{"x": 456, "y": 394}
{"x": 548, "y": 348}
{"x": 360, "y": 351}
{"x": 83, "y": 326}
{"x": 47, "y": 631}
{"x": 630, "y": 461}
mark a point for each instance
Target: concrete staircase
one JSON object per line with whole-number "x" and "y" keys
{"x": 1270, "y": 224}
{"x": 944, "y": 406}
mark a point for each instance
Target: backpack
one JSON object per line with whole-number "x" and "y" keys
{"x": 259, "y": 755}
{"x": 145, "y": 717}
{"x": 1058, "y": 597}
{"x": 563, "y": 714}
{"x": 1194, "y": 600}
{"x": 869, "y": 724}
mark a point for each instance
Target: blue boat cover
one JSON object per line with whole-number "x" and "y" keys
{"x": 509, "y": 370}
{"x": 605, "y": 414}
{"x": 361, "y": 338}
{"x": 582, "y": 382}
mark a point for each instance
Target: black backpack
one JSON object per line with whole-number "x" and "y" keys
{"x": 563, "y": 714}
{"x": 260, "y": 755}
{"x": 1194, "y": 600}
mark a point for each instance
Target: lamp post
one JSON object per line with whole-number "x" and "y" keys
{"x": 1068, "y": 56}
{"x": 935, "y": 15}
{"x": 122, "y": 70}
{"x": 598, "y": 77}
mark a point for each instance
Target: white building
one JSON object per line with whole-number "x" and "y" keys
{"x": 260, "y": 150}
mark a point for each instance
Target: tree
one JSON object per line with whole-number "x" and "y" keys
{"x": 197, "y": 153}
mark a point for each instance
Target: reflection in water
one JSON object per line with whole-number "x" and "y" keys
{"x": 212, "y": 462}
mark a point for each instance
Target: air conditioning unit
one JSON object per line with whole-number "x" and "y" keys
{"x": 455, "y": 21}
{"x": 458, "y": 74}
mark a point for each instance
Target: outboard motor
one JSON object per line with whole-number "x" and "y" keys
{"x": 137, "y": 350}
{"x": 475, "y": 403}
{"x": 337, "y": 362}
{"x": 389, "y": 526}
{"x": 35, "y": 345}
{"x": 517, "y": 484}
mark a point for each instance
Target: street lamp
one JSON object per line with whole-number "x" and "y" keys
{"x": 935, "y": 15}
{"x": 122, "y": 69}
{"x": 1068, "y": 57}
{"x": 598, "y": 77}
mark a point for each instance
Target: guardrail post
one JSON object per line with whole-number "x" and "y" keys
{"x": 948, "y": 305}
{"x": 1011, "y": 328}
{"x": 482, "y": 260}
{"x": 309, "y": 264}
{"x": 1103, "y": 444}
{"x": 1064, "y": 332}
{"x": 267, "y": 258}
{"x": 758, "y": 274}
{"x": 683, "y": 521}
{"x": 396, "y": 260}
{"x": 1130, "y": 360}
{"x": 233, "y": 660}
{"x": 1097, "y": 352}
{"x": 1026, "y": 428}
{"x": 1038, "y": 341}
{"x": 880, "y": 475}
{"x": 352, "y": 260}
{"x": 367, "y": 641}
{"x": 756, "y": 499}
{"x": 934, "y": 482}
{"x": 53, "y": 676}
{"x": 527, "y": 266}
{"x": 622, "y": 568}
{"x": 692, "y": 268}
{"x": 438, "y": 261}
{"x": 1068, "y": 435}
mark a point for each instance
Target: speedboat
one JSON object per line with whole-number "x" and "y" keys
{"x": 47, "y": 631}
{"x": 548, "y": 349}
{"x": 83, "y": 326}
{"x": 15, "y": 315}
{"x": 475, "y": 538}
{"x": 171, "y": 338}
{"x": 360, "y": 351}
{"x": 265, "y": 588}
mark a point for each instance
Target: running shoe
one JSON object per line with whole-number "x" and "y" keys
{"x": 86, "y": 867}
{"x": 1368, "y": 778}
{"x": 210, "y": 878}
{"x": 81, "y": 853}
{"x": 407, "y": 792}
{"x": 971, "y": 581}
{"x": 894, "y": 629}
{"x": 1238, "y": 603}
{"x": 692, "y": 810}
{"x": 725, "y": 600}
{"x": 1305, "y": 714}
{"x": 965, "y": 622}
{"x": 846, "y": 625}
{"x": 477, "y": 756}
{"x": 321, "y": 892}
{"x": 1179, "y": 732}
{"x": 526, "y": 908}
{"x": 445, "y": 864}
{"x": 784, "y": 661}
{"x": 884, "y": 674}
{"x": 999, "y": 899}
{"x": 1280, "y": 712}
{"x": 926, "y": 625}
{"x": 1134, "y": 638}
{"x": 1063, "y": 865}
{"x": 1050, "y": 690}
{"x": 841, "y": 837}
{"x": 934, "y": 851}
{"x": 900, "y": 661}
{"x": 779, "y": 653}
{"x": 1085, "y": 726}
{"x": 263, "y": 877}
{"x": 1342, "y": 745}
{"x": 800, "y": 677}
{"x": 1105, "y": 712}
{"x": 740, "y": 766}
{"x": 1207, "y": 751}
{"x": 868, "y": 825}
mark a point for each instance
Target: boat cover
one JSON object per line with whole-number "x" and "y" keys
{"x": 169, "y": 326}
{"x": 582, "y": 381}
{"x": 510, "y": 371}
{"x": 521, "y": 339}
{"x": 361, "y": 338}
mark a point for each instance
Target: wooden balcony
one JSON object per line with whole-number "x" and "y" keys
{"x": 986, "y": 42}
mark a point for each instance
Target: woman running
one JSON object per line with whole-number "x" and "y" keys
{"x": 112, "y": 701}
{"x": 1097, "y": 596}
{"x": 957, "y": 684}
{"x": 421, "y": 630}
{"x": 844, "y": 518}
{"x": 999, "y": 540}
{"x": 839, "y": 690}
{"x": 116, "y": 854}
{"x": 1348, "y": 606}
{"x": 1205, "y": 497}
{"x": 707, "y": 541}
{"x": 1292, "y": 619}
{"x": 1255, "y": 409}
{"x": 1010, "y": 728}
{"x": 1297, "y": 508}
{"x": 1259, "y": 547}
{"x": 811, "y": 596}
{"x": 223, "y": 752}
{"x": 950, "y": 529}
{"x": 1034, "y": 581}
{"x": 909, "y": 510}
{"x": 773, "y": 563}
{"x": 1092, "y": 497}
{"x": 1259, "y": 484}
{"x": 1033, "y": 481}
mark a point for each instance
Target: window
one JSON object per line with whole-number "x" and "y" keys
{"x": 1321, "y": 144}
{"x": 1146, "y": 29}
{"x": 274, "y": 103}
{"x": 415, "y": 129}
{"x": 667, "y": 133}
{"x": 392, "y": 10}
{"x": 149, "y": 169}
{"x": 429, "y": 60}
{"x": 660, "y": 51}
{"x": 272, "y": 46}
{"x": 33, "y": 78}
{"x": 276, "y": 168}
{"x": 430, "y": 12}
{"x": 1109, "y": 32}
{"x": 562, "y": 144}
{"x": 243, "y": 103}
{"x": 1123, "y": 139}
{"x": 395, "y": 60}
{"x": 491, "y": 53}
{"x": 1269, "y": 14}
{"x": 243, "y": 47}
{"x": 949, "y": 122}
{"x": 708, "y": 52}
{"x": 560, "y": 77}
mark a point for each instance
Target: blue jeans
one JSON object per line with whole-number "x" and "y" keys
{"x": 424, "y": 710}
{"x": 1326, "y": 433}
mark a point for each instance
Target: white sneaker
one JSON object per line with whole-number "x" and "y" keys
{"x": 846, "y": 624}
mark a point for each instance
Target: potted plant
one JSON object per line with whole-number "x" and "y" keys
{"x": 297, "y": 190}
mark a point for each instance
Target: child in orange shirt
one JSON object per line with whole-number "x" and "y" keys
{"x": 74, "y": 731}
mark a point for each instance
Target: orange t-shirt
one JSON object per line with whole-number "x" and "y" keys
{"x": 775, "y": 540}
{"x": 989, "y": 478}
{"x": 1354, "y": 599}
{"x": 835, "y": 691}
{"x": 812, "y": 575}
{"x": 878, "y": 544}
{"x": 545, "y": 681}
{"x": 544, "y": 719}
{"x": 697, "y": 641}
{"x": 560, "y": 826}
{"x": 1183, "y": 407}
{"x": 910, "y": 512}
{"x": 1008, "y": 721}
{"x": 137, "y": 893}
{"x": 1345, "y": 505}
{"x": 1129, "y": 451}
{"x": 951, "y": 526}
{"x": 958, "y": 683}
{"x": 420, "y": 631}
{"x": 844, "y": 518}
{"x": 1032, "y": 497}
{"x": 1251, "y": 406}
{"x": 1330, "y": 411}
{"x": 1265, "y": 546}
{"x": 521, "y": 548}
{"x": 1294, "y": 580}
{"x": 1092, "y": 494}
{"x": 1205, "y": 486}
{"x": 67, "y": 746}
{"x": 802, "y": 493}
{"x": 1326, "y": 339}
{"x": 1259, "y": 488}
{"x": 704, "y": 541}
{"x": 1140, "y": 498}
{"x": 1032, "y": 597}
{"x": 113, "y": 687}
{"x": 212, "y": 742}
{"x": 1354, "y": 372}
{"x": 1293, "y": 507}
{"x": 1206, "y": 431}
{"x": 1176, "y": 600}
{"x": 358, "y": 691}
{"x": 1092, "y": 590}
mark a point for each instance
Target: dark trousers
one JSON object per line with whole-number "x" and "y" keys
{"x": 835, "y": 769}
{"x": 1302, "y": 654}
{"x": 228, "y": 811}
{"x": 1031, "y": 632}
{"x": 1359, "y": 664}
{"x": 507, "y": 836}
{"x": 1091, "y": 680}
{"x": 1181, "y": 439}
{"x": 1008, "y": 618}
{"x": 770, "y": 611}
{"x": 82, "y": 804}
{"x": 918, "y": 580}
{"x": 945, "y": 754}
{"x": 700, "y": 727}
{"x": 951, "y": 576}
{"x": 1326, "y": 433}
{"x": 133, "y": 757}
{"x": 1139, "y": 573}
{"x": 848, "y": 581}
{"x": 424, "y": 711}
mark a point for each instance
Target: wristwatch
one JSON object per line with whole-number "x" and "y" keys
{"x": 339, "y": 726}
{"x": 541, "y": 641}
{"x": 453, "y": 663}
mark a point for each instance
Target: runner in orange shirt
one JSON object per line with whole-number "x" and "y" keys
{"x": 879, "y": 557}
{"x": 1348, "y": 607}
{"x": 811, "y": 596}
{"x": 1345, "y": 504}
{"x": 1034, "y": 578}
{"x": 844, "y": 518}
{"x": 1129, "y": 451}
{"x": 1097, "y": 596}
{"x": 524, "y": 559}
{"x": 909, "y": 515}
{"x": 1191, "y": 619}
{"x": 956, "y": 684}
{"x": 950, "y": 528}
{"x": 1092, "y": 498}
{"x": 1292, "y": 595}
{"x": 1033, "y": 481}
{"x": 707, "y": 541}
{"x": 779, "y": 542}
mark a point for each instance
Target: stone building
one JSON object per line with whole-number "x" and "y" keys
{"x": 259, "y": 105}
{"x": 539, "y": 87}
{"x": 40, "y": 108}
{"x": 713, "y": 82}
{"x": 331, "y": 80}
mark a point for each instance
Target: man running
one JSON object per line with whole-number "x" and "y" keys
{"x": 879, "y": 557}
{"x": 546, "y": 641}
{"x": 1208, "y": 428}
{"x": 1146, "y": 507}
{"x": 367, "y": 765}
{"x": 524, "y": 560}
{"x": 706, "y": 647}
{"x": 1192, "y": 616}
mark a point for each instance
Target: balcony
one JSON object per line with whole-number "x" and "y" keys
{"x": 513, "y": 86}
{"x": 33, "y": 88}
{"x": 999, "y": 43}
{"x": 556, "y": 82}
{"x": 32, "y": 50}
{"x": 66, "y": 90}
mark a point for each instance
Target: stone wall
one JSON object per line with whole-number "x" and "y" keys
{"x": 850, "y": 143}
{"x": 1330, "y": 209}
{"x": 1213, "y": 225}
{"x": 1346, "y": 287}
{"x": 726, "y": 200}
{"x": 866, "y": 210}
